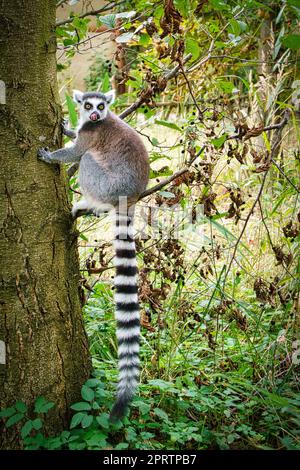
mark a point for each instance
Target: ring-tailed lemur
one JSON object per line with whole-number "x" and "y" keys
{"x": 113, "y": 166}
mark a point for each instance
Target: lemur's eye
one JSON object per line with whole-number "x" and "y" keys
{"x": 101, "y": 106}
{"x": 87, "y": 106}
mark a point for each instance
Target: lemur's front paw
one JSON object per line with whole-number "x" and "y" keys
{"x": 66, "y": 131}
{"x": 44, "y": 155}
{"x": 64, "y": 124}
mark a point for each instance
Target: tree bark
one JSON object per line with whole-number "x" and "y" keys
{"x": 41, "y": 327}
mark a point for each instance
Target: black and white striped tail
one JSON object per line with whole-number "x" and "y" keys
{"x": 127, "y": 314}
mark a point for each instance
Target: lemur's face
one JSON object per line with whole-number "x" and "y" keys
{"x": 93, "y": 105}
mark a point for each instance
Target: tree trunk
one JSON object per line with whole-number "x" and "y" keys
{"x": 41, "y": 327}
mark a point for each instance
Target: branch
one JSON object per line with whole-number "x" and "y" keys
{"x": 256, "y": 131}
{"x": 175, "y": 175}
{"x": 147, "y": 93}
{"x": 279, "y": 128}
{"x": 285, "y": 176}
{"x": 90, "y": 13}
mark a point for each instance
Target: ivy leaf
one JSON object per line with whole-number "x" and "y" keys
{"x": 77, "y": 418}
{"x": 81, "y": 406}
{"x": 7, "y": 412}
{"x": 87, "y": 393}
{"x": 14, "y": 419}
{"x": 42, "y": 405}
{"x": 87, "y": 421}
{"x": 26, "y": 429}
{"x": 161, "y": 414}
{"x": 21, "y": 407}
{"x": 192, "y": 47}
{"x": 122, "y": 446}
{"x": 292, "y": 41}
{"x": 93, "y": 383}
{"x": 143, "y": 407}
{"x": 103, "y": 420}
{"x": 37, "y": 423}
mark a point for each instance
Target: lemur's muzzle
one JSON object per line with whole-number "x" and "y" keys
{"x": 94, "y": 116}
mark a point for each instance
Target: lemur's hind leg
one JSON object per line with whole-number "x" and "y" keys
{"x": 81, "y": 206}
{"x": 85, "y": 206}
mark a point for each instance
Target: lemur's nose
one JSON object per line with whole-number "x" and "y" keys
{"x": 94, "y": 116}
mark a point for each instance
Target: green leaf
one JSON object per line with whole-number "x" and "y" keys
{"x": 42, "y": 405}
{"x": 219, "y": 141}
{"x": 292, "y": 41}
{"x": 167, "y": 194}
{"x": 103, "y": 420}
{"x": 294, "y": 3}
{"x": 143, "y": 407}
{"x": 98, "y": 439}
{"x": 183, "y": 7}
{"x": 144, "y": 39}
{"x": 93, "y": 383}
{"x": 72, "y": 110}
{"x": 87, "y": 393}
{"x": 37, "y": 424}
{"x": 108, "y": 20}
{"x": 171, "y": 125}
{"x": 130, "y": 434}
{"x": 154, "y": 141}
{"x": 7, "y": 412}
{"x": 122, "y": 446}
{"x": 81, "y": 406}
{"x": 126, "y": 14}
{"x": 14, "y": 419}
{"x": 105, "y": 85}
{"x": 234, "y": 27}
{"x": 225, "y": 85}
{"x": 147, "y": 435}
{"x": 21, "y": 407}
{"x": 77, "y": 418}
{"x": 26, "y": 429}
{"x": 161, "y": 414}
{"x": 87, "y": 421}
{"x": 192, "y": 47}
{"x": 83, "y": 237}
{"x": 125, "y": 37}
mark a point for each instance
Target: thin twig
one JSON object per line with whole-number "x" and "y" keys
{"x": 285, "y": 176}
{"x": 279, "y": 128}
{"x": 90, "y": 13}
{"x": 145, "y": 96}
{"x": 168, "y": 180}
{"x": 245, "y": 225}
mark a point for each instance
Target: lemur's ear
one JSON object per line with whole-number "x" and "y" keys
{"x": 77, "y": 96}
{"x": 110, "y": 97}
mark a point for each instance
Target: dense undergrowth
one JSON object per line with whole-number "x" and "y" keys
{"x": 196, "y": 392}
